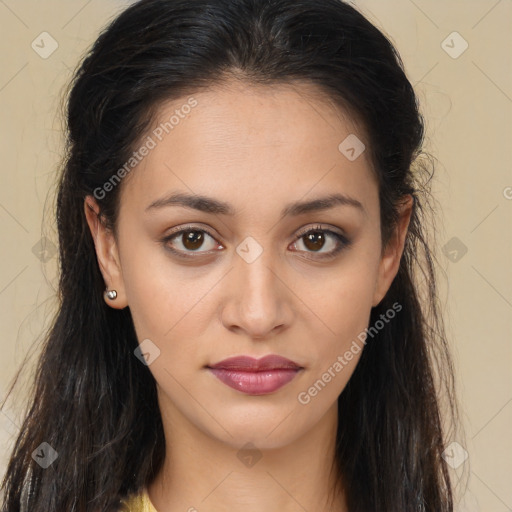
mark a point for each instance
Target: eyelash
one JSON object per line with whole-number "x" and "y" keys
{"x": 343, "y": 242}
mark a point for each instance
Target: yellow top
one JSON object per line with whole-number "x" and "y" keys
{"x": 139, "y": 503}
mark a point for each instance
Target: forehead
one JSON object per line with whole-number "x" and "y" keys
{"x": 254, "y": 140}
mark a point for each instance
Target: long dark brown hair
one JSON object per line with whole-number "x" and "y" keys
{"x": 93, "y": 401}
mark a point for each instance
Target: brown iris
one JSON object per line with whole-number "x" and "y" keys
{"x": 314, "y": 240}
{"x": 192, "y": 240}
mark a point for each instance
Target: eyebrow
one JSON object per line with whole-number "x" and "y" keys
{"x": 214, "y": 206}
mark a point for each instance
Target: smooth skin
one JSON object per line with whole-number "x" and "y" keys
{"x": 258, "y": 148}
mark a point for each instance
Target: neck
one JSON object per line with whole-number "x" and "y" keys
{"x": 204, "y": 474}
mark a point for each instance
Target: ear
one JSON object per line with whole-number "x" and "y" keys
{"x": 392, "y": 253}
{"x": 106, "y": 253}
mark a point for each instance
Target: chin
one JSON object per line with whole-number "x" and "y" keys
{"x": 265, "y": 433}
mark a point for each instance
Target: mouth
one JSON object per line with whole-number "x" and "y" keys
{"x": 255, "y": 376}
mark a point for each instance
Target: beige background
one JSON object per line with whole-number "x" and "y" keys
{"x": 467, "y": 99}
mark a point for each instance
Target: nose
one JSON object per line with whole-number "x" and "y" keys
{"x": 258, "y": 303}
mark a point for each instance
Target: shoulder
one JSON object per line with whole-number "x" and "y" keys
{"x": 137, "y": 503}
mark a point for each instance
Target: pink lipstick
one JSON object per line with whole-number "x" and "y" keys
{"x": 255, "y": 376}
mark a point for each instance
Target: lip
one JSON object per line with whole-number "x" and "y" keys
{"x": 250, "y": 364}
{"x": 255, "y": 376}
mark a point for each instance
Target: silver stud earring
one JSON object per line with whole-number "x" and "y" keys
{"x": 111, "y": 294}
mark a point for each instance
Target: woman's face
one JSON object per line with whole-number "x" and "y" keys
{"x": 270, "y": 164}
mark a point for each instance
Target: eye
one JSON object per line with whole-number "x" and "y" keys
{"x": 188, "y": 239}
{"x": 318, "y": 238}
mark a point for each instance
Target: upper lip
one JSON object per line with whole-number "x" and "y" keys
{"x": 247, "y": 363}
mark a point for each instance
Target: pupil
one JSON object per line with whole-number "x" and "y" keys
{"x": 193, "y": 240}
{"x": 317, "y": 239}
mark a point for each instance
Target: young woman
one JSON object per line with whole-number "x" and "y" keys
{"x": 248, "y": 311}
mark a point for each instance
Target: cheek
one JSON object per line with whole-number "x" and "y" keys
{"x": 159, "y": 291}
{"x": 343, "y": 297}
{"x": 344, "y": 308}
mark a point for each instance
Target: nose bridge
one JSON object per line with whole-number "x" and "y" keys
{"x": 258, "y": 297}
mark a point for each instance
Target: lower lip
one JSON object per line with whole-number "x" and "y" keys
{"x": 255, "y": 383}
